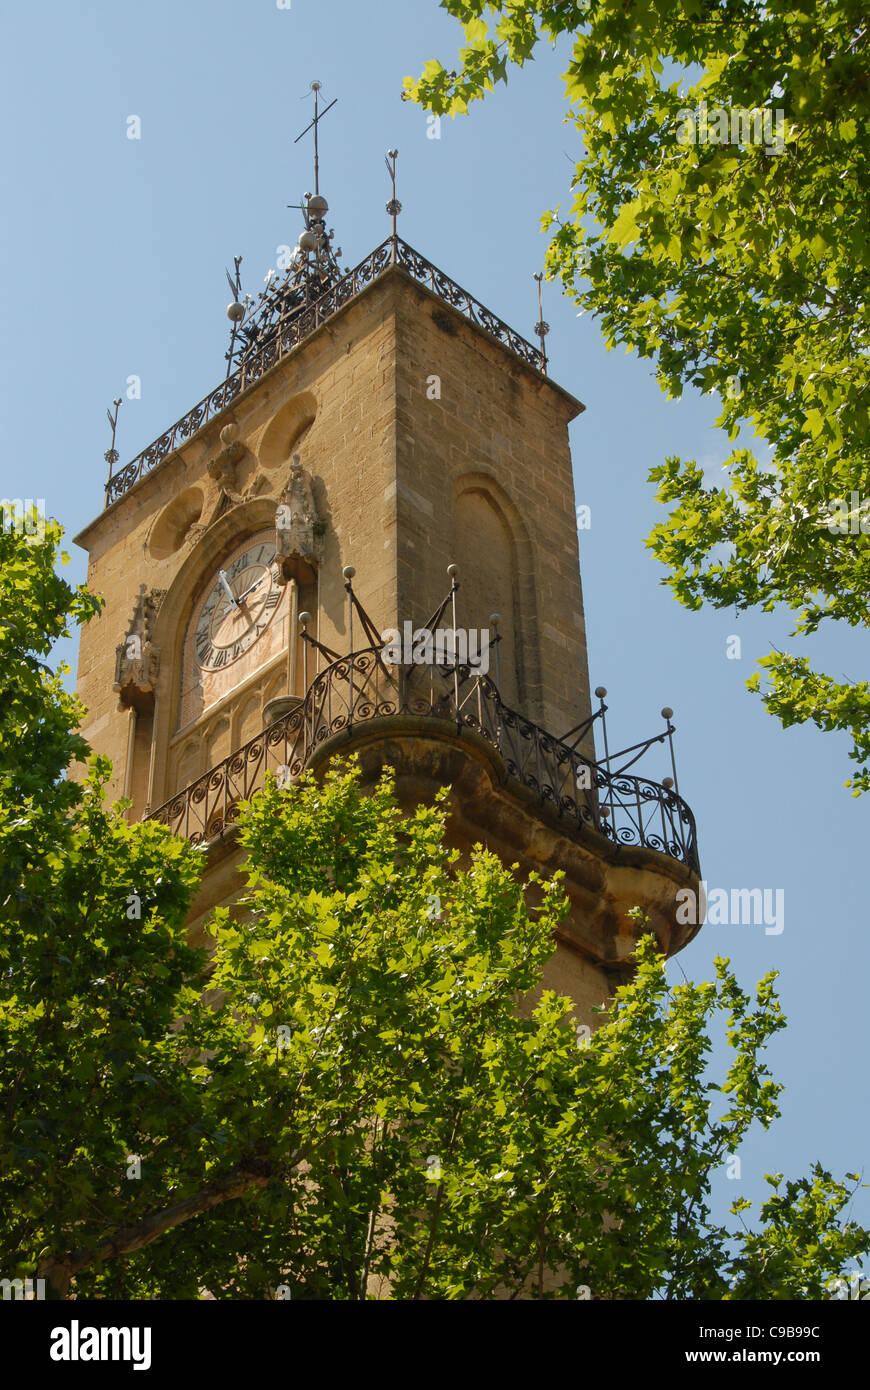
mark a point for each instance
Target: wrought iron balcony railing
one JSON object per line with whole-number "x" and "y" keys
{"x": 292, "y": 328}
{"x": 627, "y": 810}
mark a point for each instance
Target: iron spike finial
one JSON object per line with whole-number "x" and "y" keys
{"x": 607, "y": 788}
{"x": 495, "y": 622}
{"x": 453, "y": 573}
{"x": 667, "y": 715}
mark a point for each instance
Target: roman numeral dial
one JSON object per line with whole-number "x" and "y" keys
{"x": 238, "y": 607}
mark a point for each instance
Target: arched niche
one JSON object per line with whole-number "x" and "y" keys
{"x": 496, "y": 573}
{"x": 275, "y": 687}
{"x": 285, "y": 430}
{"x": 249, "y": 721}
{"x": 188, "y": 764}
{"x": 217, "y": 741}
{"x": 174, "y": 523}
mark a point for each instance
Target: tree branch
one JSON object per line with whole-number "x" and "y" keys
{"x": 59, "y": 1269}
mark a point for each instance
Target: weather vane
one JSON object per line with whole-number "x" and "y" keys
{"x": 542, "y": 328}
{"x": 111, "y": 455}
{"x": 316, "y": 88}
{"x": 394, "y": 207}
{"x": 311, "y": 267}
{"x": 236, "y": 309}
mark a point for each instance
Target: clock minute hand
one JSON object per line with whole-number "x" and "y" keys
{"x": 243, "y": 596}
{"x": 258, "y": 582}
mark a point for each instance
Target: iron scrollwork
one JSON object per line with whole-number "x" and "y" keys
{"x": 627, "y": 810}
{"x": 279, "y": 331}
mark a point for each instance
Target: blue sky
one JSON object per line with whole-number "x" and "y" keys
{"x": 113, "y": 255}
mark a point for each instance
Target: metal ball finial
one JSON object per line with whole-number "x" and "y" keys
{"x": 667, "y": 712}
{"x": 495, "y": 619}
{"x": 600, "y": 691}
{"x": 348, "y": 571}
{"x": 667, "y": 783}
{"x": 304, "y": 619}
{"x": 452, "y": 571}
{"x": 235, "y": 311}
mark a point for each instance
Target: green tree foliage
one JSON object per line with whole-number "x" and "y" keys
{"x": 737, "y": 256}
{"x": 342, "y": 1100}
{"x": 94, "y": 965}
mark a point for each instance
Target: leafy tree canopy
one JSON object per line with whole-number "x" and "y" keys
{"x": 719, "y": 226}
{"x": 342, "y": 1100}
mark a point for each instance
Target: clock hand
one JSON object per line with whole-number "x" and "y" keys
{"x": 256, "y": 585}
{"x": 227, "y": 590}
{"x": 243, "y": 596}
{"x": 239, "y": 603}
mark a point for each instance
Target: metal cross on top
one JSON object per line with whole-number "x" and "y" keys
{"x": 316, "y": 88}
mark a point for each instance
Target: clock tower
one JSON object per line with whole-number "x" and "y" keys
{"x": 384, "y": 455}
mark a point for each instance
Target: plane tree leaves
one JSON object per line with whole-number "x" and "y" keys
{"x": 358, "y": 1090}
{"x": 737, "y": 257}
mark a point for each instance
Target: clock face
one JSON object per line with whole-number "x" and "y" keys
{"x": 238, "y": 608}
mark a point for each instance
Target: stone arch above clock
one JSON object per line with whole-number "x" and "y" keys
{"x": 180, "y": 598}
{"x": 176, "y": 730}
